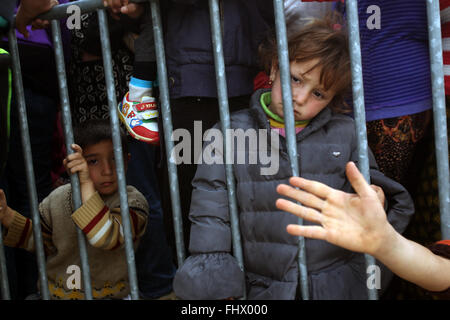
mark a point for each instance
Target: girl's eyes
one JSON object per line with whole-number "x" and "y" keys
{"x": 318, "y": 94}
{"x": 296, "y": 80}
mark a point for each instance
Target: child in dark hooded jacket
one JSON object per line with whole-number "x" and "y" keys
{"x": 326, "y": 141}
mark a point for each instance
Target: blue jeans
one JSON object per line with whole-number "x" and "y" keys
{"x": 154, "y": 262}
{"x": 41, "y": 115}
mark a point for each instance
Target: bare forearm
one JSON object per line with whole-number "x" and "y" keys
{"x": 87, "y": 191}
{"x": 415, "y": 263}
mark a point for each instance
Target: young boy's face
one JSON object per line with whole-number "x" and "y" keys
{"x": 102, "y": 166}
{"x": 308, "y": 95}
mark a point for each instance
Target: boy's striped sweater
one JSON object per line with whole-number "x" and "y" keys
{"x": 100, "y": 220}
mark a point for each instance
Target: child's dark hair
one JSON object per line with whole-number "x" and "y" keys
{"x": 93, "y": 131}
{"x": 323, "y": 39}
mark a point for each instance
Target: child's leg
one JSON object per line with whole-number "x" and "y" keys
{"x": 144, "y": 71}
{"x": 154, "y": 261}
{"x": 138, "y": 89}
{"x": 138, "y": 110}
{"x": 143, "y": 80}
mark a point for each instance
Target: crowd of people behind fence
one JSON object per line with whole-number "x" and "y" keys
{"x": 398, "y": 103}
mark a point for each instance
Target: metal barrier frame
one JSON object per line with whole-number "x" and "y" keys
{"x": 60, "y": 12}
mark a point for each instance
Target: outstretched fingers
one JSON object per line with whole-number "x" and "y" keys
{"x": 305, "y": 198}
{"x": 313, "y": 187}
{"x": 314, "y": 232}
{"x": 357, "y": 180}
{"x": 300, "y": 211}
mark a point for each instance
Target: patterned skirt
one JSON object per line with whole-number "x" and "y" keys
{"x": 394, "y": 142}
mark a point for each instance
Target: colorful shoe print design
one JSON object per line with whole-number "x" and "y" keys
{"x": 140, "y": 118}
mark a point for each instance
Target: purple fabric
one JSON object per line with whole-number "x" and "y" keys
{"x": 40, "y": 37}
{"x": 37, "y": 37}
{"x": 38, "y": 60}
{"x": 395, "y": 58}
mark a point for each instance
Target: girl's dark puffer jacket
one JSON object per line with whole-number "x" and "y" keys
{"x": 270, "y": 253}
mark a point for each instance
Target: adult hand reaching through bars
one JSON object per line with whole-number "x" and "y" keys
{"x": 358, "y": 222}
{"x": 28, "y": 10}
{"x": 131, "y": 9}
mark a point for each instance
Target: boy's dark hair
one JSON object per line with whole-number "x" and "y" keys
{"x": 97, "y": 130}
{"x": 323, "y": 39}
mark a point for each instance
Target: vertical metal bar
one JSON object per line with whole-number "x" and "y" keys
{"x": 26, "y": 145}
{"x": 4, "y": 282}
{"x": 68, "y": 134}
{"x": 168, "y": 128}
{"x": 288, "y": 111}
{"x": 359, "y": 107}
{"x": 440, "y": 119}
{"x": 225, "y": 125}
{"x": 3, "y": 271}
{"x": 112, "y": 103}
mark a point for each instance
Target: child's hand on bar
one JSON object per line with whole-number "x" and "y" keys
{"x": 6, "y": 214}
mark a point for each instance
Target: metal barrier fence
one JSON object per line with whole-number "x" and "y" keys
{"x": 60, "y": 12}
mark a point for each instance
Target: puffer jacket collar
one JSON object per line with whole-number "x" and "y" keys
{"x": 316, "y": 123}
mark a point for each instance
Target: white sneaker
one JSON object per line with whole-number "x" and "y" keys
{"x": 140, "y": 118}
